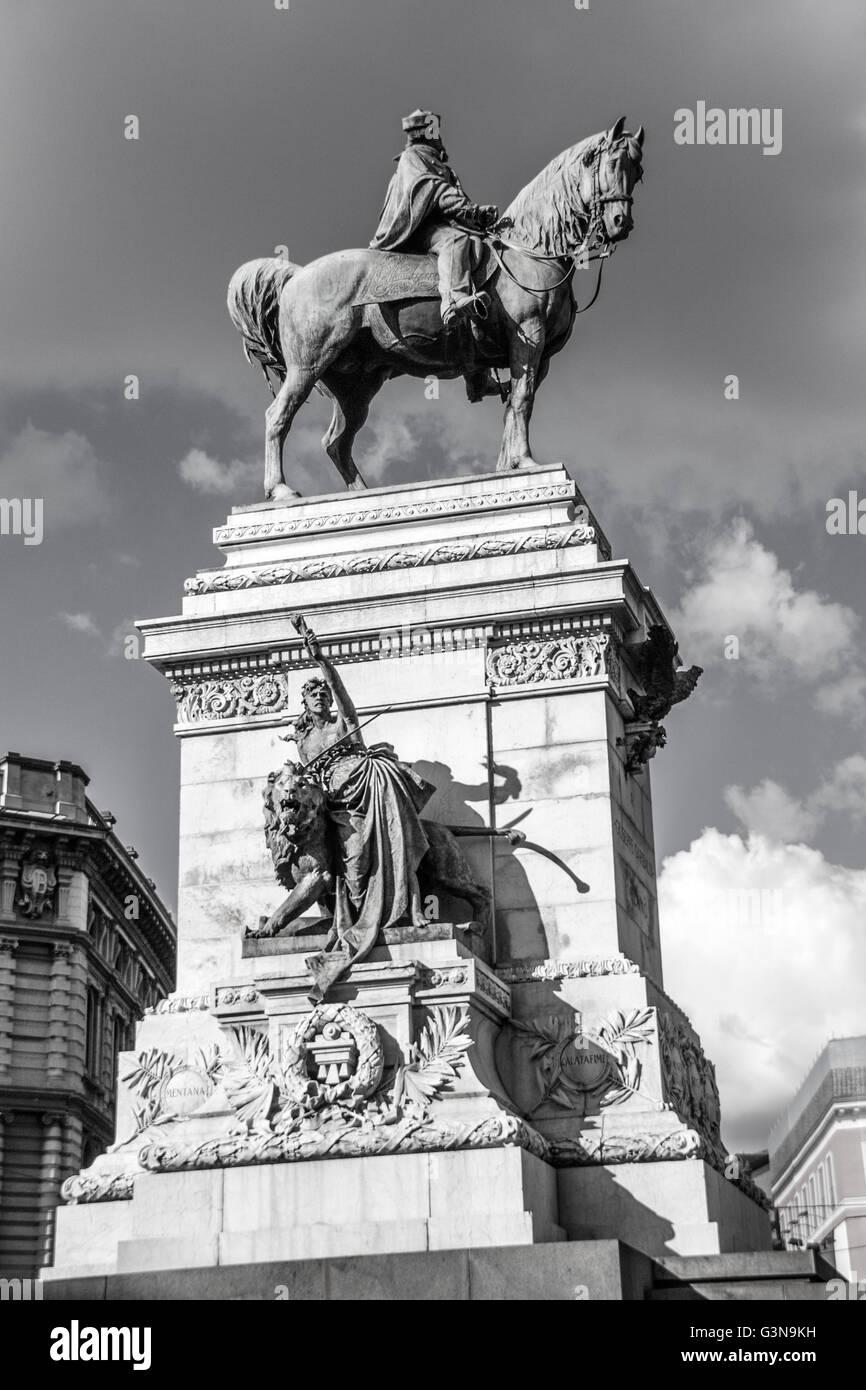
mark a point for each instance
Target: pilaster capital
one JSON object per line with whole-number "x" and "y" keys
{"x": 50, "y": 1118}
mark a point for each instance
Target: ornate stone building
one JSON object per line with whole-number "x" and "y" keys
{"x": 818, "y": 1159}
{"x": 86, "y": 946}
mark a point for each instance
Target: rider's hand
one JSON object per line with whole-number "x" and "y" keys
{"x": 488, "y": 214}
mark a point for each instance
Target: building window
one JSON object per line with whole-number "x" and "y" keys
{"x": 831, "y": 1181}
{"x": 814, "y": 1214}
{"x": 821, "y": 1184}
{"x": 93, "y": 1032}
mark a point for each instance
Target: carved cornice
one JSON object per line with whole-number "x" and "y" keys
{"x": 337, "y": 519}
{"x": 237, "y": 994}
{"x": 180, "y": 1004}
{"x": 538, "y": 968}
{"x": 444, "y": 552}
{"x": 593, "y": 1147}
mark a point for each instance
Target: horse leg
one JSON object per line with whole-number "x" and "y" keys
{"x": 351, "y": 396}
{"x": 279, "y": 415}
{"x": 525, "y": 356}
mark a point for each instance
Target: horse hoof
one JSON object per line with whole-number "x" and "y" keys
{"x": 510, "y": 466}
{"x": 281, "y": 493}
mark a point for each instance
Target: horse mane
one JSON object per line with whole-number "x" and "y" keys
{"x": 549, "y": 214}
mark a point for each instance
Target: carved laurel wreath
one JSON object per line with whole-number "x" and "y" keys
{"x": 152, "y": 1072}
{"x": 619, "y": 1036}
{"x": 298, "y": 1086}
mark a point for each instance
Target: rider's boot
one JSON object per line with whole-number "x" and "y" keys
{"x": 463, "y": 306}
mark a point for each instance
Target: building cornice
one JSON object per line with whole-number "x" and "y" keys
{"x": 96, "y": 842}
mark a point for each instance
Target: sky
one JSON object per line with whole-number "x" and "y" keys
{"x": 261, "y": 127}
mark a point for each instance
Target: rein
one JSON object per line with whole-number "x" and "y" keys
{"x": 595, "y": 233}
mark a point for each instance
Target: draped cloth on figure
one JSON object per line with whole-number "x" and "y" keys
{"x": 422, "y": 185}
{"x": 374, "y": 802}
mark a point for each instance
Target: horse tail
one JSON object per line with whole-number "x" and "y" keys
{"x": 254, "y": 307}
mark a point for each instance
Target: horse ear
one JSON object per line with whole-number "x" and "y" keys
{"x": 616, "y": 130}
{"x": 638, "y": 135}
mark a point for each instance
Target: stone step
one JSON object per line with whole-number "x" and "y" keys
{"x": 763, "y": 1290}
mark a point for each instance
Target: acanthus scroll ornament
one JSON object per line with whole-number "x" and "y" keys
{"x": 231, "y": 697}
{"x": 569, "y": 658}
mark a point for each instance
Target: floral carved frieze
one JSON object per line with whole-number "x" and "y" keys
{"x": 99, "y": 1186}
{"x": 180, "y": 1004}
{"x": 690, "y": 1080}
{"x": 405, "y": 511}
{"x": 594, "y": 1148}
{"x": 540, "y": 968}
{"x": 408, "y": 557}
{"x": 585, "y": 657}
{"x": 230, "y": 697}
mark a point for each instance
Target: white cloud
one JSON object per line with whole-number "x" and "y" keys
{"x": 62, "y": 469}
{"x": 844, "y": 790}
{"x": 782, "y": 631}
{"x": 765, "y": 951}
{"x": 80, "y": 622}
{"x": 205, "y": 474}
{"x": 768, "y": 809}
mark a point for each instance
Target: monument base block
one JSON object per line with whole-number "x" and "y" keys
{"x": 507, "y": 1074}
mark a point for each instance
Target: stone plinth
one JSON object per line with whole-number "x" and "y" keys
{"x": 486, "y": 616}
{"x": 516, "y": 1080}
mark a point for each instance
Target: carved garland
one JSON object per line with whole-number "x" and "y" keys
{"x": 539, "y": 968}
{"x": 364, "y": 516}
{"x": 449, "y": 552}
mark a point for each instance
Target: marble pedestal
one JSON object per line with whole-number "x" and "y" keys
{"x": 486, "y": 624}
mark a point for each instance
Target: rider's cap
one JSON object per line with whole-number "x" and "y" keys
{"x": 420, "y": 123}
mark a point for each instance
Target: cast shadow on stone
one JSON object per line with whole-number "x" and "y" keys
{"x": 455, "y": 805}
{"x": 516, "y": 906}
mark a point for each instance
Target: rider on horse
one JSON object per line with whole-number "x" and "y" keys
{"x": 426, "y": 209}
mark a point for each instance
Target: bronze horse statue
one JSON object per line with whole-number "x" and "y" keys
{"x": 348, "y": 321}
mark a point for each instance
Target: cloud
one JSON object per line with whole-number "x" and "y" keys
{"x": 844, "y": 790}
{"x": 768, "y": 809}
{"x": 62, "y": 469}
{"x": 782, "y": 631}
{"x": 205, "y": 474}
{"x": 80, "y": 622}
{"x": 765, "y": 951}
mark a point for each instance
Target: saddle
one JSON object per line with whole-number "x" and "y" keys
{"x": 396, "y": 275}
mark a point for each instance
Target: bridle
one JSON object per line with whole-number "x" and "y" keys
{"x": 595, "y": 244}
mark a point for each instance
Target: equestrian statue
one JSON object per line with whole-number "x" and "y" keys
{"x": 447, "y": 287}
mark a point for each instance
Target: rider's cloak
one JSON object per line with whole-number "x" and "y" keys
{"x": 422, "y": 185}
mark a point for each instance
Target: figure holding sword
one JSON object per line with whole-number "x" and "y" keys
{"x": 373, "y": 803}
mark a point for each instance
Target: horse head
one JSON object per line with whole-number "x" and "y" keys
{"x": 583, "y": 197}
{"x": 611, "y": 169}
